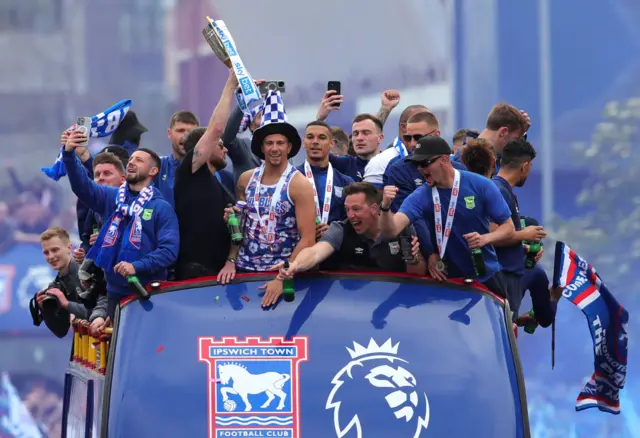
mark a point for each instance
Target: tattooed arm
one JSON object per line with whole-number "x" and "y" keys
{"x": 389, "y": 100}
{"x": 212, "y": 137}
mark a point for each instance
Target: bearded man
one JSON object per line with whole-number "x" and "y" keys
{"x": 140, "y": 233}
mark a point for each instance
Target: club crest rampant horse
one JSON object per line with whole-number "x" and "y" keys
{"x": 245, "y": 383}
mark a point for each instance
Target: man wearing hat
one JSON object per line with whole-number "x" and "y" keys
{"x": 280, "y": 214}
{"x": 128, "y": 133}
{"x": 469, "y": 202}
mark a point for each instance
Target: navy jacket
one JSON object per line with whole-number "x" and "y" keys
{"x": 337, "y": 211}
{"x": 160, "y": 234}
{"x": 93, "y": 220}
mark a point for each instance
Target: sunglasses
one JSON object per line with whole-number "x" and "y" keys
{"x": 427, "y": 163}
{"x": 416, "y": 137}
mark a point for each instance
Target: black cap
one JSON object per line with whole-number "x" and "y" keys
{"x": 129, "y": 129}
{"x": 118, "y": 151}
{"x": 429, "y": 147}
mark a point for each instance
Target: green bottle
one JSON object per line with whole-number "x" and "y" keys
{"x": 233, "y": 224}
{"x": 136, "y": 287}
{"x": 534, "y": 249}
{"x": 478, "y": 262}
{"x": 288, "y": 291}
{"x": 531, "y": 328}
{"x": 317, "y": 220}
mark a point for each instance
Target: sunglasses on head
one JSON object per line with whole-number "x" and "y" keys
{"x": 416, "y": 137}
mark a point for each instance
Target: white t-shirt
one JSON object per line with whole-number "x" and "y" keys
{"x": 375, "y": 169}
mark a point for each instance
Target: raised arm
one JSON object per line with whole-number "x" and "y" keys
{"x": 93, "y": 195}
{"x": 230, "y": 134}
{"x": 213, "y": 135}
{"x": 391, "y": 224}
{"x": 388, "y": 101}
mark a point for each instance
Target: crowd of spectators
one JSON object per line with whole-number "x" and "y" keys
{"x": 29, "y": 204}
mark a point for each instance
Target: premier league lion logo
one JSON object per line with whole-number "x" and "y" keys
{"x": 393, "y": 404}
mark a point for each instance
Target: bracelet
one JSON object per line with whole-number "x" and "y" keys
{"x": 231, "y": 260}
{"x": 385, "y": 209}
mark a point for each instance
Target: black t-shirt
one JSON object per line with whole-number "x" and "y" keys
{"x": 199, "y": 204}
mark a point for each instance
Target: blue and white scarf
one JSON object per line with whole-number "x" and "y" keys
{"x": 116, "y": 229}
{"x": 15, "y": 418}
{"x": 102, "y": 125}
{"x": 399, "y": 147}
{"x": 608, "y": 322}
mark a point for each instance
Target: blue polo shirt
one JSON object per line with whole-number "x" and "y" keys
{"x": 348, "y": 165}
{"x": 166, "y": 179}
{"x": 406, "y": 177}
{"x": 337, "y": 211}
{"x": 479, "y": 203}
{"x": 511, "y": 257}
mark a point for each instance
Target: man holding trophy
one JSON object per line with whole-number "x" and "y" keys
{"x": 240, "y": 119}
{"x": 280, "y": 214}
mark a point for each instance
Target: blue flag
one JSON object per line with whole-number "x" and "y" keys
{"x": 608, "y": 322}
{"x": 15, "y": 419}
{"x": 102, "y": 125}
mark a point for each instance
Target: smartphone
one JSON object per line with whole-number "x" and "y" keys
{"x": 271, "y": 86}
{"x": 84, "y": 124}
{"x": 335, "y": 86}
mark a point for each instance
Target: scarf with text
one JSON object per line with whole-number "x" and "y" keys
{"x": 102, "y": 125}
{"x": 608, "y": 322}
{"x": 119, "y": 239}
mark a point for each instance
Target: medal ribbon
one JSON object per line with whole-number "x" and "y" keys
{"x": 328, "y": 192}
{"x": 442, "y": 236}
{"x": 268, "y": 229}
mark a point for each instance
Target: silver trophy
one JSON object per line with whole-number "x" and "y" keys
{"x": 216, "y": 44}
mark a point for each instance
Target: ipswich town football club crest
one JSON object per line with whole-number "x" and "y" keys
{"x": 254, "y": 385}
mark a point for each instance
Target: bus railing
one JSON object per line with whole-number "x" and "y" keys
{"x": 89, "y": 352}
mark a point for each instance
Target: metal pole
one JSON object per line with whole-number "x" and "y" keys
{"x": 546, "y": 128}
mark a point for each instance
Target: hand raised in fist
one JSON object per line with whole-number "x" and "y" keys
{"x": 390, "y": 99}
{"x": 388, "y": 195}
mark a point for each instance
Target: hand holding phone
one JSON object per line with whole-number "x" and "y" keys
{"x": 83, "y": 124}
{"x": 336, "y": 87}
{"x": 330, "y": 101}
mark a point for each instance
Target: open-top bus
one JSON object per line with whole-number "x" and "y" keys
{"x": 354, "y": 355}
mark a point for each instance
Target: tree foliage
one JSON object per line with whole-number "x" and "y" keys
{"x": 608, "y": 237}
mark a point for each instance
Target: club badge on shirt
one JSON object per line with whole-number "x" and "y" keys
{"x": 470, "y": 202}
